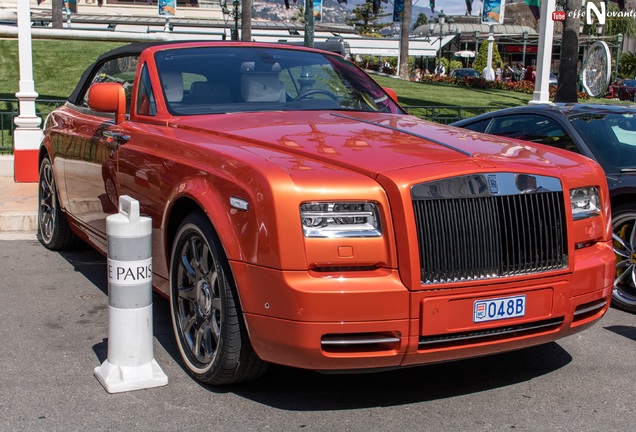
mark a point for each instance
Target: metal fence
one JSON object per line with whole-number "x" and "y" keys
{"x": 9, "y": 110}
{"x": 448, "y": 114}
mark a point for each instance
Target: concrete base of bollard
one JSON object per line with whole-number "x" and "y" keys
{"x": 117, "y": 379}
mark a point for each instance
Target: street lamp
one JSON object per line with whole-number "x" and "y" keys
{"x": 477, "y": 33}
{"x": 619, "y": 46}
{"x": 441, "y": 19}
{"x": 599, "y": 29}
{"x": 235, "y": 13}
{"x": 525, "y": 41}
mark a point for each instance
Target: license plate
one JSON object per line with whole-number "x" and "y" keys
{"x": 501, "y": 308}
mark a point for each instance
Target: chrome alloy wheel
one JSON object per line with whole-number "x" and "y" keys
{"x": 198, "y": 306}
{"x": 624, "y": 235}
{"x": 205, "y": 311}
{"x": 47, "y": 214}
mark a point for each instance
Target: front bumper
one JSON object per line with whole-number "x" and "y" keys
{"x": 369, "y": 320}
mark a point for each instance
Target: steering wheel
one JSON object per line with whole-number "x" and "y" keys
{"x": 316, "y": 91}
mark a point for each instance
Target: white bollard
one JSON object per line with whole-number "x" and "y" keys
{"x": 130, "y": 364}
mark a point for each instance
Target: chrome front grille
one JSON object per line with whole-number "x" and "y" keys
{"x": 478, "y": 227}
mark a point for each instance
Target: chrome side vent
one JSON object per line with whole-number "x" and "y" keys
{"x": 359, "y": 342}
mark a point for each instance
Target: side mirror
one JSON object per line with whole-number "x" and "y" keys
{"x": 108, "y": 97}
{"x": 391, "y": 93}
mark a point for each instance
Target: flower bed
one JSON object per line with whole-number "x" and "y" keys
{"x": 481, "y": 83}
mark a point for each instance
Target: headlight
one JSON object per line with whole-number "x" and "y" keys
{"x": 585, "y": 202}
{"x": 340, "y": 219}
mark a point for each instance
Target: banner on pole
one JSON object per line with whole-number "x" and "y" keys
{"x": 398, "y": 10}
{"x": 70, "y": 6}
{"x": 493, "y": 12}
{"x": 167, "y": 8}
{"x": 317, "y": 10}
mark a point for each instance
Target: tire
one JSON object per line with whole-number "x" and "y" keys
{"x": 54, "y": 231}
{"x": 206, "y": 315}
{"x": 624, "y": 229}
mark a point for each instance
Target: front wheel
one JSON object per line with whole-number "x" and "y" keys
{"x": 205, "y": 312}
{"x": 624, "y": 233}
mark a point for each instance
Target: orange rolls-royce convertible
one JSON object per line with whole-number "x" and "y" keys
{"x": 301, "y": 217}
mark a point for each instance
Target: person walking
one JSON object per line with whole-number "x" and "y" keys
{"x": 440, "y": 70}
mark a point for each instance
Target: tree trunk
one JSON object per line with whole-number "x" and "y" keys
{"x": 404, "y": 71}
{"x": 57, "y": 15}
{"x": 246, "y": 20}
{"x": 567, "y": 89}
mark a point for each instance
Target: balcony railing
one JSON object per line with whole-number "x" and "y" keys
{"x": 9, "y": 111}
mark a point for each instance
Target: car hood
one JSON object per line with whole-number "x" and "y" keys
{"x": 371, "y": 142}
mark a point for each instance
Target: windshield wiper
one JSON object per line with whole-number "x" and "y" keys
{"x": 628, "y": 170}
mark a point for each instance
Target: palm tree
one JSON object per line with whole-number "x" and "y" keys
{"x": 567, "y": 88}
{"x": 404, "y": 41}
{"x": 57, "y": 14}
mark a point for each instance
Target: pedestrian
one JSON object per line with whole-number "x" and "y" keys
{"x": 417, "y": 76}
{"x": 440, "y": 70}
{"x": 508, "y": 73}
{"x": 498, "y": 72}
{"x": 530, "y": 72}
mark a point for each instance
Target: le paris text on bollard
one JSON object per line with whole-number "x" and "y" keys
{"x": 130, "y": 364}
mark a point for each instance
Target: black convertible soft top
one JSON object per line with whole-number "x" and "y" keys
{"x": 123, "y": 51}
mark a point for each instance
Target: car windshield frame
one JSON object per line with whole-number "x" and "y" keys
{"x": 254, "y": 79}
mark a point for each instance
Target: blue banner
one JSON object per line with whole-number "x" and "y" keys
{"x": 70, "y": 6}
{"x": 167, "y": 7}
{"x": 317, "y": 10}
{"x": 398, "y": 10}
{"x": 493, "y": 12}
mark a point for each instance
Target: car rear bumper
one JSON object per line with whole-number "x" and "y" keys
{"x": 373, "y": 322}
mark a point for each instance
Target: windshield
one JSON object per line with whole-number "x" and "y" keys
{"x": 209, "y": 80}
{"x": 611, "y": 137}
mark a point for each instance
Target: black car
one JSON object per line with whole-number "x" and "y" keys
{"x": 464, "y": 73}
{"x": 606, "y": 133}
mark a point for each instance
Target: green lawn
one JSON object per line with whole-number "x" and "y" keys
{"x": 438, "y": 94}
{"x": 57, "y": 65}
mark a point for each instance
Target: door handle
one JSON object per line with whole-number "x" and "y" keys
{"x": 115, "y": 139}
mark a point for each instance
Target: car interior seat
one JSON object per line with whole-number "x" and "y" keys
{"x": 172, "y": 83}
{"x": 261, "y": 85}
{"x": 209, "y": 92}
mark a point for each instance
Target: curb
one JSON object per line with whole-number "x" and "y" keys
{"x": 18, "y": 222}
{"x": 6, "y": 165}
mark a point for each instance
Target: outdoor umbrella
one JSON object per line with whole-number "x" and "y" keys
{"x": 465, "y": 54}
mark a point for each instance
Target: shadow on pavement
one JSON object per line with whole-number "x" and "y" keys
{"x": 302, "y": 390}
{"x": 627, "y": 331}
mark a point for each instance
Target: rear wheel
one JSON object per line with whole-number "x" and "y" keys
{"x": 624, "y": 228}
{"x": 53, "y": 228}
{"x": 206, "y": 315}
